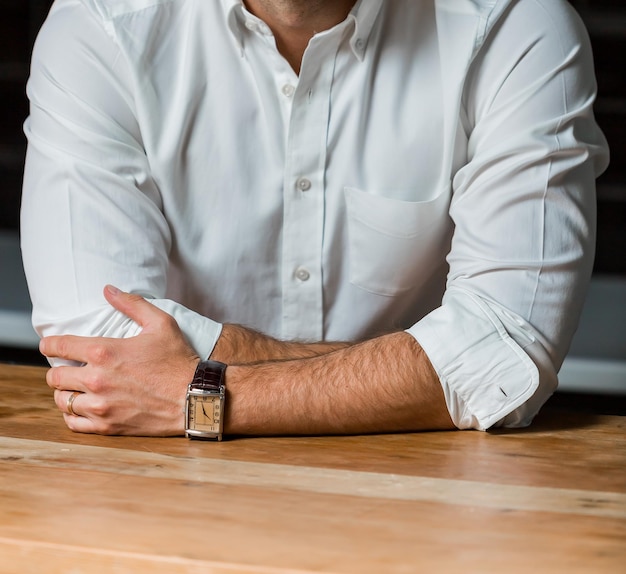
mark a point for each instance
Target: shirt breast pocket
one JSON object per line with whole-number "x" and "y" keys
{"x": 396, "y": 245}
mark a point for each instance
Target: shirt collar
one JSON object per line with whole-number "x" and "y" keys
{"x": 363, "y": 14}
{"x": 231, "y": 10}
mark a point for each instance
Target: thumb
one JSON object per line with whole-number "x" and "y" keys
{"x": 133, "y": 306}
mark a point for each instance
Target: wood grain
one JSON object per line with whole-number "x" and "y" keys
{"x": 313, "y": 480}
{"x": 551, "y": 498}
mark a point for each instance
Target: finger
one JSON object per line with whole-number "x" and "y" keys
{"x": 66, "y": 379}
{"x": 78, "y": 413}
{"x": 80, "y": 421}
{"x": 68, "y": 402}
{"x": 69, "y": 347}
{"x": 134, "y": 306}
{"x": 83, "y": 425}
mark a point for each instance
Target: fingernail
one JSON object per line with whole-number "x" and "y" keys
{"x": 113, "y": 290}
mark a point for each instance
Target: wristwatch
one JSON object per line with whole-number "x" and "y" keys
{"x": 204, "y": 407}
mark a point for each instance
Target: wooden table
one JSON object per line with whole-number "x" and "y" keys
{"x": 551, "y": 498}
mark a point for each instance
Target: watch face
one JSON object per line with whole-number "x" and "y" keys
{"x": 204, "y": 414}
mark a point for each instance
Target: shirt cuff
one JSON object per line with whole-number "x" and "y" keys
{"x": 201, "y": 333}
{"x": 485, "y": 374}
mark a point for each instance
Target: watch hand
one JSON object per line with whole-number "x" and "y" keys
{"x": 207, "y": 416}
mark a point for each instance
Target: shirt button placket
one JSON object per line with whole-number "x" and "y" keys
{"x": 303, "y": 221}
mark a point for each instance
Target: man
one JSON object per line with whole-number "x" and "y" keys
{"x": 411, "y": 179}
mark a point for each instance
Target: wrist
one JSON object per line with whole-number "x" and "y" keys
{"x": 240, "y": 345}
{"x": 205, "y": 401}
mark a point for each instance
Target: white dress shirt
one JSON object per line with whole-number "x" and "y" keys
{"x": 431, "y": 169}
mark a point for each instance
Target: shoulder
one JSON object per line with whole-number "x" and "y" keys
{"x": 539, "y": 48}
{"x": 516, "y": 23}
{"x": 487, "y": 17}
{"x": 555, "y": 19}
{"x": 109, "y": 13}
{"x": 136, "y": 28}
{"x": 517, "y": 30}
{"x": 539, "y": 36}
{"x": 110, "y": 9}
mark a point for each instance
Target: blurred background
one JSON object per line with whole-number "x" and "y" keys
{"x": 595, "y": 371}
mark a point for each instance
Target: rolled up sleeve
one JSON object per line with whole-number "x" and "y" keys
{"x": 486, "y": 373}
{"x": 91, "y": 211}
{"x": 523, "y": 208}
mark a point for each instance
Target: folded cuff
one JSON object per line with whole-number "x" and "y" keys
{"x": 201, "y": 333}
{"x": 485, "y": 374}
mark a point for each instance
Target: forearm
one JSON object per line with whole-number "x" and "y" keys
{"x": 382, "y": 385}
{"x": 239, "y": 345}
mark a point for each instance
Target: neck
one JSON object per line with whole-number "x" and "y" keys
{"x": 295, "y": 22}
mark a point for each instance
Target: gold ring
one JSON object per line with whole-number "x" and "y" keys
{"x": 70, "y": 402}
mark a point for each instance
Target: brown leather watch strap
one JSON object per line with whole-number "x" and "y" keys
{"x": 209, "y": 376}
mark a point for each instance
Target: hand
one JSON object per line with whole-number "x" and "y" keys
{"x": 133, "y": 386}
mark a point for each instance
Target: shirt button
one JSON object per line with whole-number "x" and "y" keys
{"x": 288, "y": 90}
{"x": 302, "y": 274}
{"x": 303, "y": 184}
{"x": 264, "y": 29}
{"x": 252, "y": 25}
